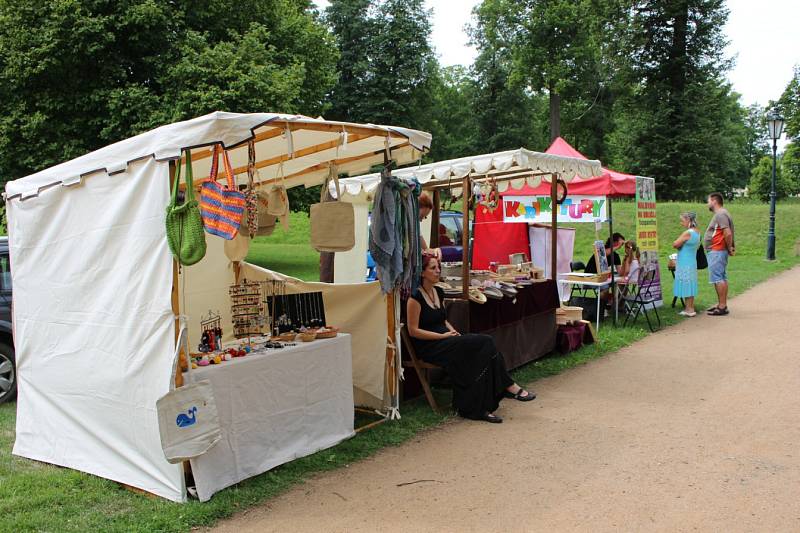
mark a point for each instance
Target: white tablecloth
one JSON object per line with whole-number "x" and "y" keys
{"x": 276, "y": 407}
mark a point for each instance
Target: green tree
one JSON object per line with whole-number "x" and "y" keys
{"x": 454, "y": 125}
{"x": 387, "y": 67}
{"x": 761, "y": 180}
{"x": 76, "y": 75}
{"x": 508, "y": 114}
{"x": 790, "y": 105}
{"x": 681, "y": 122}
{"x": 757, "y": 144}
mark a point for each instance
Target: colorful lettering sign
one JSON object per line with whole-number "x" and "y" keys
{"x": 647, "y": 232}
{"x": 540, "y": 209}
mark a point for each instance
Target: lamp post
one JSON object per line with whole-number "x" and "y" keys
{"x": 775, "y": 127}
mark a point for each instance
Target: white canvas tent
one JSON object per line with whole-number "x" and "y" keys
{"x": 512, "y": 168}
{"x": 95, "y": 293}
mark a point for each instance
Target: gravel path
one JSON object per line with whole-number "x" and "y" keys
{"x": 695, "y": 428}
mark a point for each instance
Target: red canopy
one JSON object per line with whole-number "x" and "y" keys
{"x": 611, "y": 183}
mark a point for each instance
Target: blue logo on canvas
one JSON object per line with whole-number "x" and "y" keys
{"x": 188, "y": 418}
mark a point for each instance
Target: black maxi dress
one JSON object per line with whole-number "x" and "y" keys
{"x": 476, "y": 368}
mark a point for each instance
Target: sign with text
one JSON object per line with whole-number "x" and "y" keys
{"x": 540, "y": 209}
{"x": 647, "y": 232}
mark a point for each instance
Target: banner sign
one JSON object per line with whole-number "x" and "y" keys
{"x": 540, "y": 209}
{"x": 647, "y": 231}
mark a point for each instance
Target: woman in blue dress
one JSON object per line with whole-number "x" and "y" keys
{"x": 686, "y": 265}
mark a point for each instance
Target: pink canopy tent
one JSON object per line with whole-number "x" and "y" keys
{"x": 611, "y": 183}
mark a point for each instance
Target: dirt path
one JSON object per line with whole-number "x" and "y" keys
{"x": 694, "y": 428}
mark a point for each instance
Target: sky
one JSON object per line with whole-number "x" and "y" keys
{"x": 763, "y": 35}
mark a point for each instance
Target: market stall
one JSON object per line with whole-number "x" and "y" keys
{"x": 528, "y": 305}
{"x": 589, "y": 200}
{"x": 99, "y": 300}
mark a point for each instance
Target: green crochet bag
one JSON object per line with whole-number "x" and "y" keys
{"x": 185, "y": 234}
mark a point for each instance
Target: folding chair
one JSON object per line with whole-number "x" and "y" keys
{"x": 639, "y": 297}
{"x": 420, "y": 366}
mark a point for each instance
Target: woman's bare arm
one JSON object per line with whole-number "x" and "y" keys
{"x": 681, "y": 240}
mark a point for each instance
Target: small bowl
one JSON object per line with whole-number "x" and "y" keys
{"x": 307, "y": 336}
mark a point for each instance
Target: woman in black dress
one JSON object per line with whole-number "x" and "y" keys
{"x": 477, "y": 369}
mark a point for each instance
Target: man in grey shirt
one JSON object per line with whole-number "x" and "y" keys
{"x": 719, "y": 245}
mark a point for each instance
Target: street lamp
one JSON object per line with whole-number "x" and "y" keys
{"x": 775, "y": 127}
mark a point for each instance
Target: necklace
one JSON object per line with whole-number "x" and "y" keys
{"x": 431, "y": 297}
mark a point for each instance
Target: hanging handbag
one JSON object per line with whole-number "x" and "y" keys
{"x": 188, "y": 423}
{"x": 332, "y": 223}
{"x": 266, "y": 222}
{"x": 250, "y": 198}
{"x": 702, "y": 261}
{"x": 236, "y": 249}
{"x": 221, "y": 206}
{"x": 185, "y": 235}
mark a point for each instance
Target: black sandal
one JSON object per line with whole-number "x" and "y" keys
{"x": 719, "y": 311}
{"x": 528, "y": 396}
{"x": 493, "y": 419}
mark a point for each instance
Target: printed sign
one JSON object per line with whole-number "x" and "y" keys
{"x": 647, "y": 232}
{"x": 540, "y": 209}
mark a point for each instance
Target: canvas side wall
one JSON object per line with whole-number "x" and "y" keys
{"x": 94, "y": 333}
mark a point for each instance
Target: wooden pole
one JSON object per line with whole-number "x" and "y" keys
{"x": 465, "y": 188}
{"x": 554, "y": 227}
{"x": 391, "y": 379}
{"x": 176, "y": 308}
{"x": 612, "y": 266}
{"x": 434, "y": 236}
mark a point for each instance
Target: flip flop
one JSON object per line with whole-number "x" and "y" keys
{"x": 719, "y": 312}
{"x": 519, "y": 395}
{"x": 684, "y": 313}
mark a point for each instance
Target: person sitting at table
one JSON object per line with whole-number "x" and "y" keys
{"x": 629, "y": 269}
{"x": 618, "y": 240}
{"x": 472, "y": 361}
{"x": 425, "y": 208}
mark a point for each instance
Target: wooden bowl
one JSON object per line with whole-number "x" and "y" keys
{"x": 307, "y": 336}
{"x": 328, "y": 334}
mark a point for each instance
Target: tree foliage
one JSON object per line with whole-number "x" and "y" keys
{"x": 761, "y": 180}
{"x": 76, "y": 75}
{"x": 681, "y": 122}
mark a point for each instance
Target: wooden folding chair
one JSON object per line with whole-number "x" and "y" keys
{"x": 420, "y": 366}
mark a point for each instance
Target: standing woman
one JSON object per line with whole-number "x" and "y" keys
{"x": 686, "y": 266}
{"x": 471, "y": 360}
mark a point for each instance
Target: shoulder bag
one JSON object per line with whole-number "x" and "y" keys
{"x": 332, "y": 223}
{"x": 221, "y": 205}
{"x": 185, "y": 236}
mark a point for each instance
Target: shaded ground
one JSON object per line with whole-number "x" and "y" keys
{"x": 693, "y": 428}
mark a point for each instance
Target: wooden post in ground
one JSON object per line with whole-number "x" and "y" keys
{"x": 554, "y": 227}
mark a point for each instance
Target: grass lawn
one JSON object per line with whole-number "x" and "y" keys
{"x": 40, "y": 497}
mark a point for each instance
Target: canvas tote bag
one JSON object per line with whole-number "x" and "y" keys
{"x": 221, "y": 205}
{"x": 185, "y": 235}
{"x": 188, "y": 422}
{"x": 332, "y": 223}
{"x": 266, "y": 221}
{"x": 236, "y": 249}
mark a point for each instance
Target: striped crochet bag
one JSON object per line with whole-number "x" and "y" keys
{"x": 221, "y": 206}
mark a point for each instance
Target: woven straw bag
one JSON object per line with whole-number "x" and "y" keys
{"x": 185, "y": 235}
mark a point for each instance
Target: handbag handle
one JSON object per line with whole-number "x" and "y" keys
{"x": 226, "y": 160}
{"x": 189, "y": 183}
{"x": 332, "y": 175}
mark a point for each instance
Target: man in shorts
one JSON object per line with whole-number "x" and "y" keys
{"x": 719, "y": 244}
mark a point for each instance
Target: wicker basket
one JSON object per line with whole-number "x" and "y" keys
{"x": 307, "y": 336}
{"x": 285, "y": 337}
{"x": 328, "y": 334}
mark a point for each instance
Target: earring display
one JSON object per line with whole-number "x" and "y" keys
{"x": 295, "y": 312}
{"x": 246, "y": 309}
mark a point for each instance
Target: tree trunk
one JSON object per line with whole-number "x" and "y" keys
{"x": 555, "y": 115}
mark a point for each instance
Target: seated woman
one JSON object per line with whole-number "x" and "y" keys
{"x": 477, "y": 369}
{"x": 629, "y": 270}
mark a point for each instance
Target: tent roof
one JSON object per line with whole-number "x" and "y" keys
{"x": 297, "y": 148}
{"x": 522, "y": 161}
{"x": 610, "y": 183}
